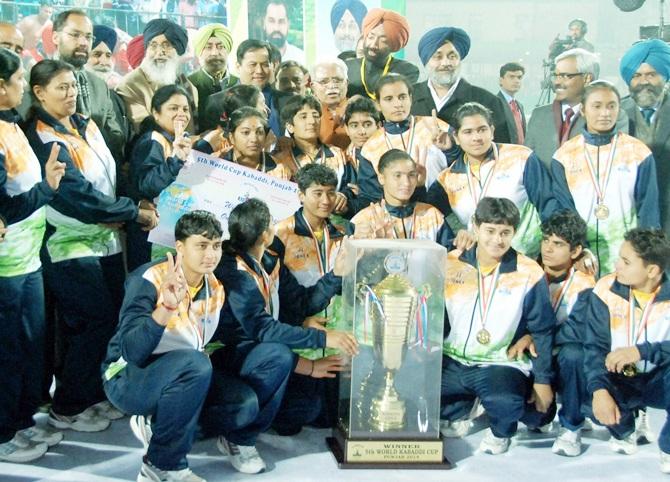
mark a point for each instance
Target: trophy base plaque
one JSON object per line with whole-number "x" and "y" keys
{"x": 387, "y": 454}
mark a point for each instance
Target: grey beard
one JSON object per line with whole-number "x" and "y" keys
{"x": 647, "y": 96}
{"x": 444, "y": 79}
{"x": 103, "y": 74}
{"x": 164, "y": 75}
{"x": 345, "y": 43}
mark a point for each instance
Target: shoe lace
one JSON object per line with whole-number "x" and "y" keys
{"x": 248, "y": 452}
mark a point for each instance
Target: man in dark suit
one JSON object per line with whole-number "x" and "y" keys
{"x": 384, "y": 32}
{"x": 646, "y": 70}
{"x": 212, "y": 44}
{"x": 253, "y": 64}
{"x": 441, "y": 50}
{"x": 510, "y": 83}
{"x": 552, "y": 124}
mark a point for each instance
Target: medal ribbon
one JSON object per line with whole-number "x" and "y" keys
{"x": 412, "y": 131}
{"x": 263, "y": 283}
{"x": 412, "y": 226}
{"x": 484, "y": 299}
{"x": 562, "y": 291}
{"x": 595, "y": 174}
{"x": 298, "y": 165}
{"x": 643, "y": 321}
{"x": 323, "y": 256}
{"x": 384, "y": 72}
{"x": 471, "y": 178}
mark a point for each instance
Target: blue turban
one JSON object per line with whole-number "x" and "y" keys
{"x": 356, "y": 7}
{"x": 653, "y": 52}
{"x": 175, "y": 34}
{"x": 435, "y": 38}
{"x": 106, "y": 35}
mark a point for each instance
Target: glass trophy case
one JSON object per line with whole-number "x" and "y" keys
{"x": 389, "y": 399}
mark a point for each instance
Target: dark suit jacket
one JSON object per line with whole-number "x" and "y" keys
{"x": 423, "y": 104}
{"x": 657, "y": 138}
{"x": 545, "y": 125}
{"x": 207, "y": 86}
{"x": 373, "y": 73}
{"x": 509, "y": 118}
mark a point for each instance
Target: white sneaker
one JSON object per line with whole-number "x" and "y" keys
{"x": 544, "y": 428}
{"x": 245, "y": 458}
{"x": 19, "y": 450}
{"x": 42, "y": 434}
{"x": 107, "y": 410}
{"x": 457, "y": 429}
{"x": 141, "y": 427}
{"x": 626, "y": 446}
{"x": 493, "y": 445}
{"x": 588, "y": 425}
{"x": 643, "y": 430}
{"x": 149, "y": 473}
{"x": 568, "y": 443}
{"x": 86, "y": 421}
{"x": 665, "y": 463}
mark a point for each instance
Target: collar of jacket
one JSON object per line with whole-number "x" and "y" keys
{"x": 268, "y": 261}
{"x": 169, "y": 137}
{"x": 397, "y": 127}
{"x": 79, "y": 121}
{"x": 507, "y": 263}
{"x": 598, "y": 139}
{"x": 623, "y": 290}
{"x": 459, "y": 166}
{"x": 298, "y": 152}
{"x": 10, "y": 115}
{"x": 401, "y": 212}
{"x": 270, "y": 163}
{"x": 301, "y": 228}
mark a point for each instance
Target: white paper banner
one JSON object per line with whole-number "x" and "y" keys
{"x": 218, "y": 186}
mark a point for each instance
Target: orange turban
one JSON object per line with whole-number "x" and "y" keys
{"x": 396, "y": 27}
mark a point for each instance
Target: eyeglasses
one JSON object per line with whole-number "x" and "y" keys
{"x": 90, "y": 38}
{"x": 330, "y": 80}
{"x": 564, "y": 76}
{"x": 164, "y": 46}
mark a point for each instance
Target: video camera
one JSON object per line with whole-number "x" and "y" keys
{"x": 560, "y": 45}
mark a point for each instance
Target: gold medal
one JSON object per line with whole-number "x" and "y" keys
{"x": 601, "y": 211}
{"x": 483, "y": 337}
{"x": 629, "y": 370}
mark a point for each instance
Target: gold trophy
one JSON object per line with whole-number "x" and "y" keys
{"x": 391, "y": 323}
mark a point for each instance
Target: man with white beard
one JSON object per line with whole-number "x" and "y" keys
{"x": 646, "y": 70}
{"x": 441, "y": 51}
{"x": 100, "y": 61}
{"x": 164, "y": 43}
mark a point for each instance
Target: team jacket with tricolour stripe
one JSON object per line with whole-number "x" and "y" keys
{"x": 608, "y": 327}
{"x": 86, "y": 200}
{"x": 520, "y": 305}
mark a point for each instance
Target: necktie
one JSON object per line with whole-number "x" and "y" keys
{"x": 565, "y": 127}
{"x": 518, "y": 120}
{"x": 83, "y": 95}
{"x": 647, "y": 113}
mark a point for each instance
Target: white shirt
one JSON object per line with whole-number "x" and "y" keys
{"x": 441, "y": 102}
{"x": 293, "y": 53}
{"x": 575, "y": 108}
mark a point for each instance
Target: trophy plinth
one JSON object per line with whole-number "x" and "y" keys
{"x": 389, "y": 401}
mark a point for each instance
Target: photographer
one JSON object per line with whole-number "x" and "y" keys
{"x": 577, "y": 29}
